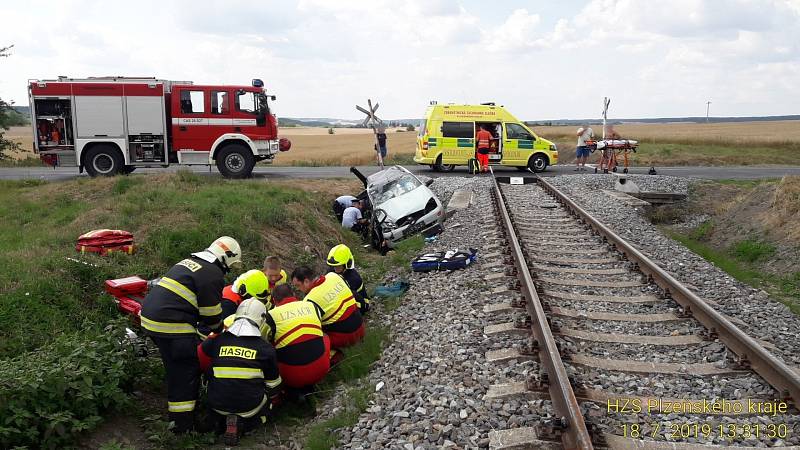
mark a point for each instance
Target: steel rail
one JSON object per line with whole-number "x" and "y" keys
{"x": 749, "y": 351}
{"x": 574, "y": 435}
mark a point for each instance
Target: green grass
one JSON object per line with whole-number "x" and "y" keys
{"x": 42, "y": 293}
{"x": 738, "y": 263}
{"x": 24, "y": 162}
{"x": 752, "y": 250}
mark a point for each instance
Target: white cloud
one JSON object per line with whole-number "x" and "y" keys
{"x": 655, "y": 58}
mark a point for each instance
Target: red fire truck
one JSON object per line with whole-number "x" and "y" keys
{"x": 111, "y": 125}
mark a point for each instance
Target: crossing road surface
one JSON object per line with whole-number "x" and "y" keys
{"x": 283, "y": 172}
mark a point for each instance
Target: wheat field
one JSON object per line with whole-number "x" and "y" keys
{"x": 731, "y": 143}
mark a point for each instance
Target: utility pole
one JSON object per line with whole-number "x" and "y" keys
{"x": 708, "y": 106}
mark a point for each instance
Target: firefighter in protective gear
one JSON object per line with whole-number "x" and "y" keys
{"x": 186, "y": 297}
{"x": 341, "y": 319}
{"x": 341, "y": 260}
{"x": 251, "y": 284}
{"x": 295, "y": 329}
{"x": 242, "y": 371}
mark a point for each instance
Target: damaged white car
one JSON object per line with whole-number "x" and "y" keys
{"x": 400, "y": 205}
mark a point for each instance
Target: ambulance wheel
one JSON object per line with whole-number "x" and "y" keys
{"x": 103, "y": 160}
{"x": 439, "y": 167}
{"x": 235, "y": 161}
{"x": 537, "y": 163}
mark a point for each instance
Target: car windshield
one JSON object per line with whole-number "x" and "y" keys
{"x": 391, "y": 188}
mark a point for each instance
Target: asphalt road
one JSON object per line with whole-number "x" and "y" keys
{"x": 282, "y": 172}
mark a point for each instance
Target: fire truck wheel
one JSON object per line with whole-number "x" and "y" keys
{"x": 235, "y": 161}
{"x": 103, "y": 160}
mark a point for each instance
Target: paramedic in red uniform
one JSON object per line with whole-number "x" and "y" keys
{"x": 483, "y": 139}
{"x": 341, "y": 319}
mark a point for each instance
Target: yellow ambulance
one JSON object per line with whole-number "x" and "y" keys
{"x": 447, "y": 138}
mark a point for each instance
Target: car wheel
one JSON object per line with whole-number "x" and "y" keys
{"x": 537, "y": 163}
{"x": 235, "y": 161}
{"x": 439, "y": 167}
{"x": 103, "y": 160}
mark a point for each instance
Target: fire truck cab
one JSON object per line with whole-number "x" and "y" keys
{"x": 113, "y": 125}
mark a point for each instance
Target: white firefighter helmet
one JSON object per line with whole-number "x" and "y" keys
{"x": 250, "y": 317}
{"x": 227, "y": 251}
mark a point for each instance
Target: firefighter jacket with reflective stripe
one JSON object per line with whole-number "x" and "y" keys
{"x": 484, "y": 138}
{"x": 340, "y": 312}
{"x": 188, "y": 294}
{"x": 356, "y": 284}
{"x": 296, "y": 332}
{"x": 243, "y": 370}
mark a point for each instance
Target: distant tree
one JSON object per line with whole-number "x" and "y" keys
{"x": 410, "y": 127}
{"x": 8, "y": 116}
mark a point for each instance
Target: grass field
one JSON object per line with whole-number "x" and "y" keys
{"x": 676, "y": 144}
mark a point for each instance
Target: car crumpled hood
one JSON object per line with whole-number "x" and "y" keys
{"x": 408, "y": 203}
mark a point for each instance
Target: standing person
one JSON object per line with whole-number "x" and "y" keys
{"x": 585, "y": 133}
{"x": 341, "y": 261}
{"x": 352, "y": 219}
{"x": 483, "y": 139}
{"x": 274, "y": 272}
{"x": 382, "y": 143}
{"x": 341, "y": 319}
{"x": 189, "y": 293}
{"x": 341, "y": 203}
{"x": 242, "y": 371}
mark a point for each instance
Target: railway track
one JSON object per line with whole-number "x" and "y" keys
{"x": 628, "y": 356}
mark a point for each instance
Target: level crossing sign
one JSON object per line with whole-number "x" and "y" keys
{"x": 374, "y": 122}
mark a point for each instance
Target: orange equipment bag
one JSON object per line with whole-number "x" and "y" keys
{"x": 105, "y": 242}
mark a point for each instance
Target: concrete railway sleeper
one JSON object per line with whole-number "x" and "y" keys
{"x": 629, "y": 357}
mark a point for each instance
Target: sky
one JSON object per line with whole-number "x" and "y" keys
{"x": 541, "y": 59}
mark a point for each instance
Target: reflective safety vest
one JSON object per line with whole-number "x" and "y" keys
{"x": 334, "y": 297}
{"x": 483, "y": 138}
{"x": 294, "y": 322}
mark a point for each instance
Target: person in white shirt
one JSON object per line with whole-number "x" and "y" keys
{"x": 352, "y": 218}
{"x": 585, "y": 133}
{"x": 341, "y": 203}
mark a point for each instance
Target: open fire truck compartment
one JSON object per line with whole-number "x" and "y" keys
{"x": 110, "y": 125}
